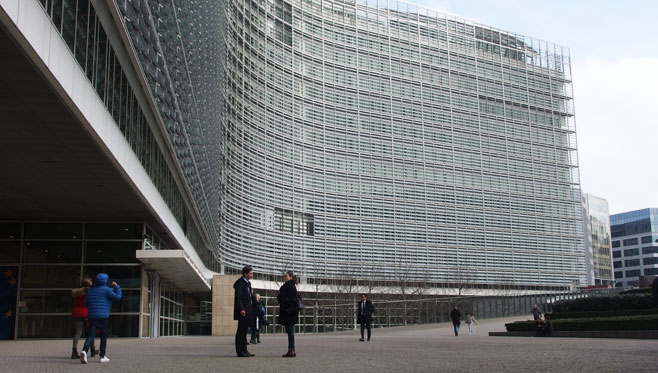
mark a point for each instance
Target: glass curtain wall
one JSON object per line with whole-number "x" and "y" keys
{"x": 81, "y": 28}
{"x": 53, "y": 257}
{"x": 378, "y": 139}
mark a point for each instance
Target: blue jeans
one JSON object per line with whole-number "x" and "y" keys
{"x": 291, "y": 336}
{"x": 94, "y": 325}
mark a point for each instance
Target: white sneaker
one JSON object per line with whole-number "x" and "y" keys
{"x": 105, "y": 359}
{"x": 83, "y": 357}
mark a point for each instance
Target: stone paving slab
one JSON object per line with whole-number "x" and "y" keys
{"x": 419, "y": 348}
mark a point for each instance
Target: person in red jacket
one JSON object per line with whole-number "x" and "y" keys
{"x": 79, "y": 316}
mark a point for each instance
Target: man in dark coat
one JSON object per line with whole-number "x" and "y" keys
{"x": 243, "y": 310}
{"x": 536, "y": 313}
{"x": 364, "y": 316}
{"x": 655, "y": 291}
{"x": 258, "y": 319}
{"x": 455, "y": 315}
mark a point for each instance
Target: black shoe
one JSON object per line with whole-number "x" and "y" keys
{"x": 253, "y": 342}
{"x": 361, "y": 339}
{"x": 249, "y": 354}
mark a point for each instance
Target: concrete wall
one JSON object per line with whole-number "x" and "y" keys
{"x": 222, "y": 305}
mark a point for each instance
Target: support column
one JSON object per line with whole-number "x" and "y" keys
{"x": 222, "y": 305}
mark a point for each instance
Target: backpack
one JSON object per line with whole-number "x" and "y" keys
{"x": 300, "y": 302}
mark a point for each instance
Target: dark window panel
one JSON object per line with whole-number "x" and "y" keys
{"x": 40, "y": 276}
{"x": 52, "y": 252}
{"x": 10, "y": 251}
{"x": 113, "y": 231}
{"x": 53, "y": 230}
{"x": 111, "y": 252}
{"x": 125, "y": 276}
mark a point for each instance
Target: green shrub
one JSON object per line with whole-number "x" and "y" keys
{"x": 637, "y": 291}
{"x": 605, "y": 303}
{"x": 640, "y": 322}
{"x": 597, "y": 314}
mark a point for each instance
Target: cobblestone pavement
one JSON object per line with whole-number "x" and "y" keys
{"x": 419, "y": 348}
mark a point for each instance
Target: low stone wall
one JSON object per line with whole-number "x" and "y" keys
{"x": 635, "y": 334}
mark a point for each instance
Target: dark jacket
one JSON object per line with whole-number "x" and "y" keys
{"x": 99, "y": 298}
{"x": 242, "y": 300}
{"x": 257, "y": 311}
{"x": 455, "y": 315}
{"x": 364, "y": 314}
{"x": 288, "y": 308}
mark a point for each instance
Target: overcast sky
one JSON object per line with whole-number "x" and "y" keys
{"x": 614, "y": 60}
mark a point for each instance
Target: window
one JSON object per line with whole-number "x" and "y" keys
{"x": 650, "y": 250}
{"x": 615, "y": 244}
{"x": 616, "y": 254}
{"x": 648, "y": 261}
{"x": 630, "y": 241}
{"x": 631, "y": 252}
{"x": 294, "y": 222}
{"x": 618, "y": 264}
{"x": 651, "y": 271}
{"x": 619, "y": 274}
{"x": 646, "y": 239}
{"x": 633, "y": 273}
{"x": 632, "y": 262}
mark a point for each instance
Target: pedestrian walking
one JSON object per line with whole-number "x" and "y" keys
{"x": 243, "y": 310}
{"x": 98, "y": 300}
{"x": 536, "y": 313}
{"x": 470, "y": 320}
{"x": 364, "y": 316}
{"x": 79, "y": 316}
{"x": 289, "y": 304}
{"x": 455, "y": 315}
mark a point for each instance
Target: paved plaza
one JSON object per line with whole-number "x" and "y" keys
{"x": 419, "y": 348}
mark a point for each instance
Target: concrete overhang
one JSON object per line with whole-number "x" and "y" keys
{"x": 177, "y": 267}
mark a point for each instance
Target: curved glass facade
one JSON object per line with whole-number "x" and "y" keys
{"x": 378, "y": 139}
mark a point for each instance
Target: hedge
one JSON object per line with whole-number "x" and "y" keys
{"x": 643, "y": 322}
{"x": 605, "y": 303}
{"x": 597, "y": 314}
{"x": 637, "y": 291}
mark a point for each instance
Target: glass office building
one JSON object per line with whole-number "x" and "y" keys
{"x": 634, "y": 246}
{"x": 366, "y": 139}
{"x": 340, "y": 139}
{"x": 598, "y": 253}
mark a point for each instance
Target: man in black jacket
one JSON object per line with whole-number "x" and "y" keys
{"x": 455, "y": 315}
{"x": 243, "y": 310}
{"x": 364, "y": 316}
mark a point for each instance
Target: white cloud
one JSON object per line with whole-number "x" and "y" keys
{"x": 617, "y": 122}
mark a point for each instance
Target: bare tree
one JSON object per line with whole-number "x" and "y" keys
{"x": 464, "y": 280}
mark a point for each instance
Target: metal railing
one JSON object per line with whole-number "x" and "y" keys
{"x": 327, "y": 317}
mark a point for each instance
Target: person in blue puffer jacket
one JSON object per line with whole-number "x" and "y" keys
{"x": 98, "y": 301}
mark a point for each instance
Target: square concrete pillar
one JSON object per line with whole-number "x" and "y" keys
{"x": 222, "y": 305}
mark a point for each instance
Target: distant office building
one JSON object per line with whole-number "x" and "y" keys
{"x": 598, "y": 254}
{"x": 634, "y": 245}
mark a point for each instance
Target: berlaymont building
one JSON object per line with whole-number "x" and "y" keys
{"x": 167, "y": 142}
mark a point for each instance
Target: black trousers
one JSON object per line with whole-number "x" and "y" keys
{"x": 241, "y": 336}
{"x": 455, "y": 325}
{"x": 367, "y": 326}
